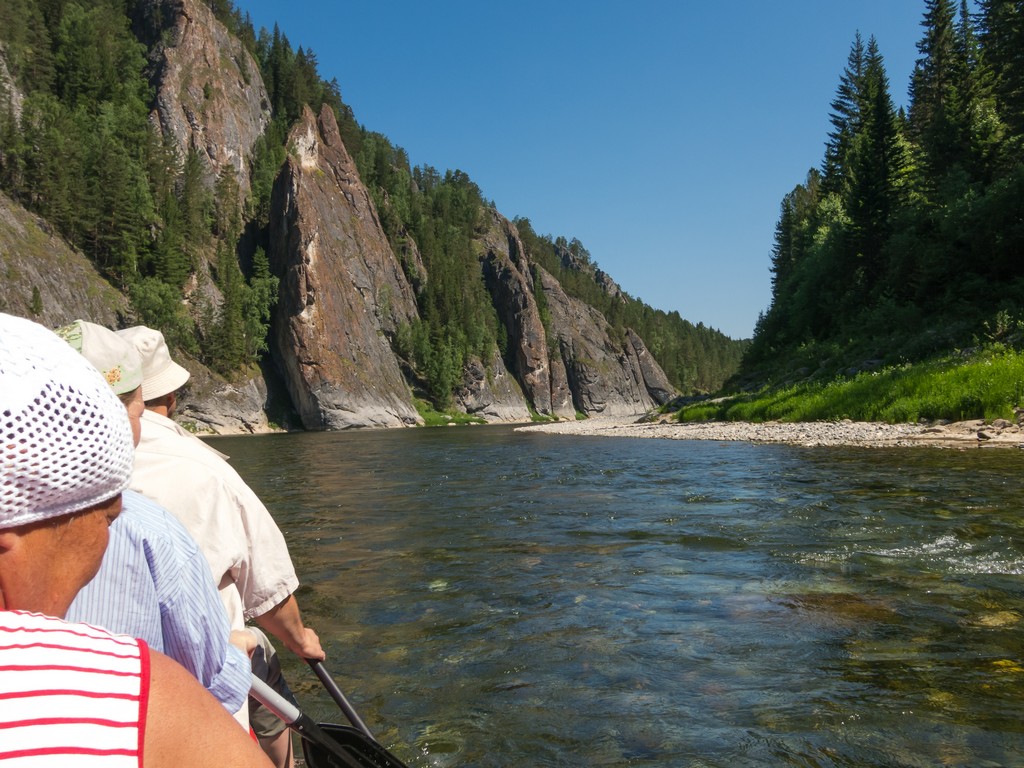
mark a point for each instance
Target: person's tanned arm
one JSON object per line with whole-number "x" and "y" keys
{"x": 284, "y": 622}
{"x": 185, "y": 725}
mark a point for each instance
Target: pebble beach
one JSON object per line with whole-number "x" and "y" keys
{"x": 962, "y": 435}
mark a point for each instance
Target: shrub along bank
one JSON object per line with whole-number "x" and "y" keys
{"x": 985, "y": 384}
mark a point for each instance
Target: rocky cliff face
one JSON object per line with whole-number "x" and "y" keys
{"x": 506, "y": 272}
{"x": 574, "y": 363}
{"x": 608, "y": 374}
{"x": 210, "y": 96}
{"x": 491, "y": 392}
{"x": 43, "y": 279}
{"x": 343, "y": 292}
{"x": 211, "y": 404}
{"x": 10, "y": 96}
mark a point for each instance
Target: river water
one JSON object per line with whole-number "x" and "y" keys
{"x": 494, "y": 598}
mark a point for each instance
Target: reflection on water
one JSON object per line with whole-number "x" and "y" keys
{"x": 492, "y": 598}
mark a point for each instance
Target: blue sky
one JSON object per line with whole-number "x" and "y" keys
{"x": 661, "y": 133}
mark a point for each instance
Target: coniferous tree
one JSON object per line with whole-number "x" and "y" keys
{"x": 878, "y": 167}
{"x": 196, "y": 205}
{"x": 844, "y": 118}
{"x": 259, "y": 301}
{"x": 792, "y": 258}
{"x": 1002, "y": 36}
{"x": 26, "y": 40}
{"x": 927, "y": 227}
{"x": 268, "y": 155}
{"x": 984, "y": 131}
{"x": 941, "y": 104}
{"x": 169, "y": 261}
{"x": 225, "y": 328}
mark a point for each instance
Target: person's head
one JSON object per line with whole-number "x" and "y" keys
{"x": 161, "y": 376}
{"x": 116, "y": 359}
{"x": 65, "y": 457}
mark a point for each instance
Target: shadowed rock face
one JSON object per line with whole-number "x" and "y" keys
{"x": 658, "y": 387}
{"x": 210, "y": 96}
{"x": 506, "y": 272}
{"x": 609, "y": 374}
{"x": 343, "y": 292}
{"x": 580, "y": 367}
{"x": 491, "y": 392}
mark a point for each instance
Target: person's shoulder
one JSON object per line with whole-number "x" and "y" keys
{"x": 159, "y": 443}
{"x": 75, "y": 635}
{"x": 199, "y": 462}
{"x": 146, "y": 519}
{"x": 29, "y": 620}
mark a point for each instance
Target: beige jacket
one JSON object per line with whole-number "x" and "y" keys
{"x": 243, "y": 545}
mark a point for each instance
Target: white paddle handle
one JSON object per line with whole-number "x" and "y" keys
{"x": 274, "y": 701}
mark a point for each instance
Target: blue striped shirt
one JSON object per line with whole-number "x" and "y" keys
{"x": 155, "y": 584}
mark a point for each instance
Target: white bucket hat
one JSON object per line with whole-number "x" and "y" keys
{"x": 160, "y": 374}
{"x": 111, "y": 355}
{"x": 65, "y": 440}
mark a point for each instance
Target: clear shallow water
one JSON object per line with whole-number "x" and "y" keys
{"x": 492, "y": 598}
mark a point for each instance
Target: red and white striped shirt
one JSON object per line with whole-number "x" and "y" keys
{"x": 70, "y": 694}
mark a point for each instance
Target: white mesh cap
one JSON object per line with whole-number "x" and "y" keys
{"x": 65, "y": 439}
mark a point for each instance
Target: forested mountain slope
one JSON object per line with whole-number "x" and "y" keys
{"x": 275, "y": 240}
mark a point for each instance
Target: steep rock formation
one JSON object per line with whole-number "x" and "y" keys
{"x": 491, "y": 392}
{"x": 10, "y": 96}
{"x": 580, "y": 262}
{"x": 342, "y": 289}
{"x": 217, "y": 406}
{"x": 608, "y": 285}
{"x": 209, "y": 93}
{"x": 608, "y": 376}
{"x": 210, "y": 98}
{"x": 506, "y": 272}
{"x": 653, "y": 377}
{"x": 44, "y": 279}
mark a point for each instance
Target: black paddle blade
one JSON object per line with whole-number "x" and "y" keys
{"x": 364, "y": 750}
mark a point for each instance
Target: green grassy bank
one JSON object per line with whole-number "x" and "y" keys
{"x": 985, "y": 384}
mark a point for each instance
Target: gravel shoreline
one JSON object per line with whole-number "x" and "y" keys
{"x": 963, "y": 435}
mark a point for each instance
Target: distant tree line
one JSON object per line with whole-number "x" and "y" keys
{"x": 910, "y": 236}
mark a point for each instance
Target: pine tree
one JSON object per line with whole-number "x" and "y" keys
{"x": 258, "y": 303}
{"x": 794, "y": 230}
{"x": 983, "y": 130}
{"x": 1002, "y": 37}
{"x": 196, "y": 204}
{"x": 844, "y": 118}
{"x": 170, "y": 262}
{"x": 224, "y": 350}
{"x": 941, "y": 104}
{"x": 878, "y": 168}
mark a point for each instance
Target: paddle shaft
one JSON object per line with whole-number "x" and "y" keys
{"x": 339, "y": 697}
{"x": 297, "y": 721}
